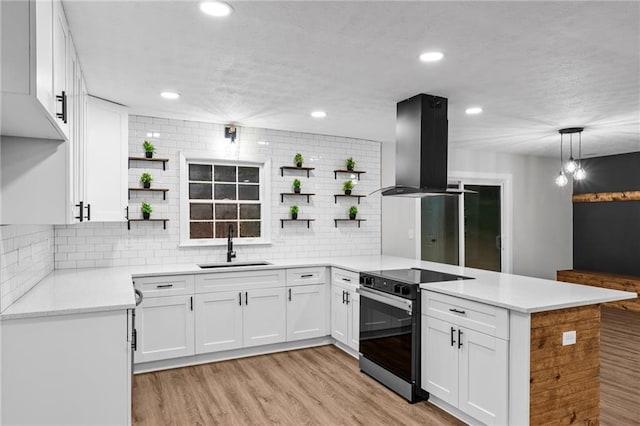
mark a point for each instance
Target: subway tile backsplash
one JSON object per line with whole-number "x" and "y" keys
{"x": 111, "y": 244}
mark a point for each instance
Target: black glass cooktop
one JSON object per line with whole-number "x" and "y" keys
{"x": 417, "y": 276}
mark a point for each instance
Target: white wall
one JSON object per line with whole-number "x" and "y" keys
{"x": 542, "y": 212}
{"x": 111, "y": 244}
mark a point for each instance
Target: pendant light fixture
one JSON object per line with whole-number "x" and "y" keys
{"x": 572, "y": 167}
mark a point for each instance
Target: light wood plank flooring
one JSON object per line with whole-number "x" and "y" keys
{"x": 619, "y": 367}
{"x": 316, "y": 386}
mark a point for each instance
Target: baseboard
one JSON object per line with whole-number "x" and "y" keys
{"x": 453, "y": 411}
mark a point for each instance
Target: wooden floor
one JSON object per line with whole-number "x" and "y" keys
{"x": 317, "y": 386}
{"x": 619, "y": 368}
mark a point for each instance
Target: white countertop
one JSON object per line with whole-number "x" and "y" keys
{"x": 69, "y": 291}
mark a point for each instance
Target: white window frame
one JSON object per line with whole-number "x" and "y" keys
{"x": 265, "y": 200}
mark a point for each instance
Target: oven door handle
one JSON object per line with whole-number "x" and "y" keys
{"x": 396, "y": 302}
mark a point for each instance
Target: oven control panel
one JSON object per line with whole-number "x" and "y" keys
{"x": 404, "y": 290}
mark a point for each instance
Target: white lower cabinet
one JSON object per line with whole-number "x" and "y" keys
{"x": 463, "y": 367}
{"x": 345, "y": 308}
{"x": 264, "y": 316}
{"x": 306, "y": 312}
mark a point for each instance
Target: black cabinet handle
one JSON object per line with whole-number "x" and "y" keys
{"x": 191, "y": 303}
{"x": 343, "y": 292}
{"x": 347, "y": 293}
{"x": 459, "y": 338}
{"x": 164, "y": 286}
{"x": 80, "y": 206}
{"x": 246, "y": 297}
{"x": 239, "y": 298}
{"x": 289, "y": 295}
{"x": 88, "y": 212}
{"x": 453, "y": 339}
{"x": 306, "y": 276}
{"x": 457, "y": 311}
{"x": 134, "y": 344}
{"x": 346, "y": 279}
{"x": 63, "y": 99}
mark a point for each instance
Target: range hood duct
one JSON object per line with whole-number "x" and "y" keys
{"x": 422, "y": 130}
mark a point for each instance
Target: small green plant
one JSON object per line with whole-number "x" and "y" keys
{"x": 347, "y": 185}
{"x": 148, "y": 147}
{"x": 146, "y": 177}
{"x": 146, "y": 208}
{"x": 350, "y": 163}
{"x": 294, "y": 209}
{"x": 296, "y": 185}
{"x": 298, "y": 159}
{"x": 353, "y": 210}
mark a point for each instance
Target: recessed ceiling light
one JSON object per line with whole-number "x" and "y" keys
{"x": 170, "y": 95}
{"x": 318, "y": 114}
{"x": 216, "y": 8}
{"x": 473, "y": 110}
{"x": 431, "y": 56}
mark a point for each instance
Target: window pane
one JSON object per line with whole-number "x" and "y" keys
{"x": 248, "y": 192}
{"x": 250, "y": 229}
{"x": 200, "y": 230}
{"x": 225, "y": 173}
{"x": 482, "y": 225}
{"x": 226, "y": 211}
{"x": 248, "y": 174}
{"x": 222, "y": 229}
{"x": 200, "y": 191}
{"x": 201, "y": 211}
{"x": 249, "y": 211}
{"x": 199, "y": 172}
{"x": 439, "y": 224}
{"x": 225, "y": 192}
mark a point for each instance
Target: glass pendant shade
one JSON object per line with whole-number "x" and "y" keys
{"x": 570, "y": 166}
{"x": 561, "y": 180}
{"x": 579, "y": 174}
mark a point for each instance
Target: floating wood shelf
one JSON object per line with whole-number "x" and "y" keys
{"x": 164, "y": 222}
{"x": 282, "y": 221}
{"x": 349, "y": 220}
{"x": 307, "y": 169}
{"x": 353, "y": 172}
{"x": 335, "y": 197}
{"x": 601, "y": 197}
{"x": 296, "y": 194}
{"x": 156, "y": 160}
{"x": 163, "y": 190}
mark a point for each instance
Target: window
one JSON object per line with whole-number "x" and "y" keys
{"x": 218, "y": 196}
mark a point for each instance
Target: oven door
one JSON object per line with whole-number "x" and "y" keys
{"x": 387, "y": 331}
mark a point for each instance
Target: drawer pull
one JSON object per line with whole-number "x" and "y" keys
{"x": 164, "y": 286}
{"x": 306, "y": 275}
{"x": 347, "y": 280}
{"x": 458, "y": 312}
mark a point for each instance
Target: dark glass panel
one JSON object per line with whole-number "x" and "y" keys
{"x": 248, "y": 174}
{"x": 222, "y": 229}
{"x": 248, "y": 192}
{"x": 249, "y": 211}
{"x": 199, "y": 172}
{"x": 200, "y": 230}
{"x": 225, "y": 191}
{"x": 200, "y": 191}
{"x": 482, "y": 226}
{"x": 250, "y": 229}
{"x": 225, "y": 173}
{"x": 226, "y": 211}
{"x": 200, "y": 211}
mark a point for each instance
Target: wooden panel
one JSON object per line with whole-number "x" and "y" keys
{"x": 600, "y": 197}
{"x": 612, "y": 281}
{"x": 565, "y": 386}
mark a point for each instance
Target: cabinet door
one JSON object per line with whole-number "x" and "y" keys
{"x": 165, "y": 328}
{"x": 106, "y": 160}
{"x": 354, "y": 319}
{"x": 218, "y": 321}
{"x": 306, "y": 312}
{"x": 339, "y": 315}
{"x": 60, "y": 60}
{"x": 483, "y": 377}
{"x": 440, "y": 354}
{"x": 44, "y": 55}
{"x": 264, "y": 316}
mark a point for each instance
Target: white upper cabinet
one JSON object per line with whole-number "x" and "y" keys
{"x": 35, "y": 48}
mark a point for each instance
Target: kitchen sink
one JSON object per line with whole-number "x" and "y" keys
{"x": 232, "y": 264}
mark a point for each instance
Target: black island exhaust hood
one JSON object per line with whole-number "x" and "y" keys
{"x": 421, "y": 148}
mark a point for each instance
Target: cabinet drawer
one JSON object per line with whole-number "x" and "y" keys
{"x": 304, "y": 276}
{"x": 228, "y": 281}
{"x": 171, "y": 285}
{"x": 345, "y": 278}
{"x": 481, "y": 317}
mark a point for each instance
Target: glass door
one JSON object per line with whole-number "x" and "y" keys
{"x": 482, "y": 227}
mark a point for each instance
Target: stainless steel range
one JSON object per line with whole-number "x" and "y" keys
{"x": 390, "y": 327}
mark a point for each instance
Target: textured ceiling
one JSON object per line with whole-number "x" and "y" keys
{"x": 534, "y": 67}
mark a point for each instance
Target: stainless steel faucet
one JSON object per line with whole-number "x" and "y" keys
{"x": 230, "y": 253}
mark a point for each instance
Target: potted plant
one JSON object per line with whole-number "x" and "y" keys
{"x": 350, "y": 164}
{"x": 296, "y": 186}
{"x": 347, "y": 186}
{"x": 146, "y": 179}
{"x": 353, "y": 211}
{"x": 294, "y": 212}
{"x": 146, "y": 210}
{"x": 149, "y": 149}
{"x": 298, "y": 160}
